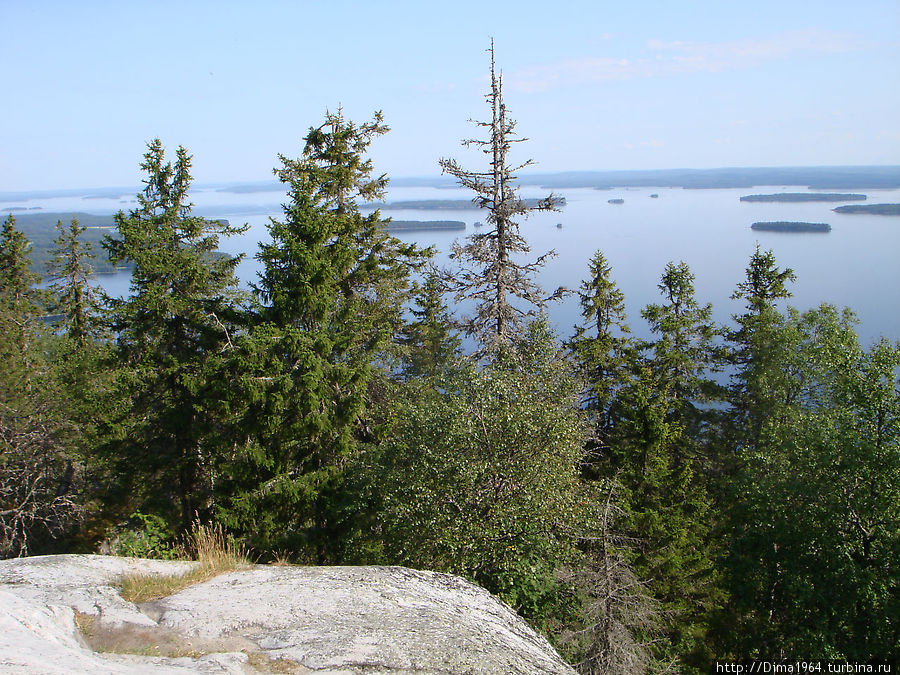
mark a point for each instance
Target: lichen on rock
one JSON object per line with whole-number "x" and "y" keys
{"x": 265, "y": 619}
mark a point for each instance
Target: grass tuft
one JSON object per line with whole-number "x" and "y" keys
{"x": 214, "y": 551}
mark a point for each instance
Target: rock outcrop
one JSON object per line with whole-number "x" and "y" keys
{"x": 336, "y": 620}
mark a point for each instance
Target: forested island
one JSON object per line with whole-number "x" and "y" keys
{"x": 787, "y": 226}
{"x": 422, "y": 225}
{"x": 875, "y": 209}
{"x": 804, "y": 197}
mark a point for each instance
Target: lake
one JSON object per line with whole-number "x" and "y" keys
{"x": 855, "y": 265}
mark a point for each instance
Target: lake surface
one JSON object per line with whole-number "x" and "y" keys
{"x": 857, "y": 264}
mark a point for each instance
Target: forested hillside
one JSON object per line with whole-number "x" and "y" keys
{"x": 712, "y": 492}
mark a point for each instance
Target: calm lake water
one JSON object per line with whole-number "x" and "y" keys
{"x": 855, "y": 265}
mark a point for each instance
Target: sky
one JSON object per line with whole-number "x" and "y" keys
{"x": 596, "y": 85}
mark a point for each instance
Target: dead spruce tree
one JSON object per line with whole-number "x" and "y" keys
{"x": 490, "y": 271}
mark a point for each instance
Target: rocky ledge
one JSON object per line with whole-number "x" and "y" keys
{"x": 55, "y": 611}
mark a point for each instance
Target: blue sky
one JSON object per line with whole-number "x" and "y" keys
{"x": 594, "y": 85}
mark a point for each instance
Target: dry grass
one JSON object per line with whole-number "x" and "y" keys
{"x": 213, "y": 550}
{"x": 264, "y": 664}
{"x": 282, "y": 559}
{"x": 139, "y": 640}
{"x": 215, "y": 553}
{"x": 160, "y": 641}
{"x": 153, "y": 640}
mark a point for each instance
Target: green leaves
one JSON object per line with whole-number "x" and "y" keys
{"x": 816, "y": 544}
{"x": 480, "y": 475}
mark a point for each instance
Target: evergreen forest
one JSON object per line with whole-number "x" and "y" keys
{"x": 651, "y": 505}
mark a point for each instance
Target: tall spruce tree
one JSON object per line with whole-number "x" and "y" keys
{"x": 172, "y": 332}
{"x": 619, "y": 620}
{"x": 606, "y": 354}
{"x": 332, "y": 290}
{"x": 685, "y": 353}
{"x": 658, "y": 455}
{"x": 491, "y": 274}
{"x": 759, "y": 388}
{"x": 83, "y": 360}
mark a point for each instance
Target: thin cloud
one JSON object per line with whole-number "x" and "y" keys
{"x": 718, "y": 56}
{"x": 675, "y": 58}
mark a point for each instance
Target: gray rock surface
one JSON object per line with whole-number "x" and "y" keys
{"x": 347, "y": 620}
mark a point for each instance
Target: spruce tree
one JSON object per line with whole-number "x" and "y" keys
{"x": 70, "y": 273}
{"x": 429, "y": 341}
{"x": 685, "y": 353}
{"x": 21, "y": 302}
{"x": 173, "y": 332}
{"x": 661, "y": 458}
{"x": 491, "y": 274}
{"x": 758, "y": 348}
{"x": 606, "y": 353}
{"x": 331, "y": 295}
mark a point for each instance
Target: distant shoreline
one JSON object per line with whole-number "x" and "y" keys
{"x": 812, "y": 177}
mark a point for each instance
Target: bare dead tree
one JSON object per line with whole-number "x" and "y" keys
{"x": 36, "y": 478}
{"x": 619, "y": 618}
{"x": 490, "y": 272}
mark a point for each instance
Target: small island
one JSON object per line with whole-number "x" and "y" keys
{"x": 805, "y": 197}
{"x": 616, "y": 201}
{"x": 786, "y": 226}
{"x": 420, "y": 225}
{"x": 876, "y": 209}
